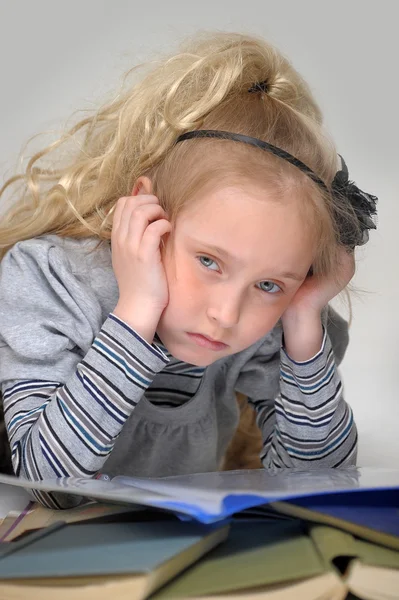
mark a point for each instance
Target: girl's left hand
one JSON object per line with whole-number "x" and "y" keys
{"x": 316, "y": 292}
{"x": 303, "y": 331}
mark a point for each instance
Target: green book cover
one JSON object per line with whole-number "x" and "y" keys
{"x": 295, "y": 556}
{"x": 255, "y": 554}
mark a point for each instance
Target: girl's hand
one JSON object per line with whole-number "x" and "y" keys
{"x": 138, "y": 226}
{"x": 301, "y": 321}
{"x": 315, "y": 293}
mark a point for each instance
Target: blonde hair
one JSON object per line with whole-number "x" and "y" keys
{"x": 70, "y": 187}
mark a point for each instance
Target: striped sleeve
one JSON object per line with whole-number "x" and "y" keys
{"x": 69, "y": 429}
{"x": 309, "y": 424}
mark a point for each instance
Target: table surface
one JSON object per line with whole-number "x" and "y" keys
{"x": 12, "y": 499}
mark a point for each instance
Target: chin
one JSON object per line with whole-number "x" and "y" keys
{"x": 193, "y": 357}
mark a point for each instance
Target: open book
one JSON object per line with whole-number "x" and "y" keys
{"x": 289, "y": 561}
{"x": 210, "y": 497}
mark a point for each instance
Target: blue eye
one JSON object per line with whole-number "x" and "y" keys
{"x": 209, "y": 263}
{"x": 269, "y": 286}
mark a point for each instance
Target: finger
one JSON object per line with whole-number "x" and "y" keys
{"x": 140, "y": 219}
{"x": 144, "y": 199}
{"x": 152, "y": 237}
{"x": 127, "y": 204}
{"x": 130, "y": 213}
{"x": 119, "y": 207}
{"x": 347, "y": 265}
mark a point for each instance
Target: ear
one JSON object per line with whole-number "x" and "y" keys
{"x": 143, "y": 185}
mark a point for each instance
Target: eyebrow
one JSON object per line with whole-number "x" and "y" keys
{"x": 226, "y": 255}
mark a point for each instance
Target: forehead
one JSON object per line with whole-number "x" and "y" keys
{"x": 250, "y": 224}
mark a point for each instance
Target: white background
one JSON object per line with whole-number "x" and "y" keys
{"x": 56, "y": 57}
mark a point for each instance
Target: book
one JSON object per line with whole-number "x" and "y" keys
{"x": 94, "y": 560}
{"x": 289, "y": 560}
{"x": 374, "y": 517}
{"x": 209, "y": 497}
{"x": 35, "y": 516}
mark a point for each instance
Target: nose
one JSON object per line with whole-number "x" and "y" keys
{"x": 224, "y": 306}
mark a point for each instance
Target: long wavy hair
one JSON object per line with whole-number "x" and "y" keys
{"x": 71, "y": 187}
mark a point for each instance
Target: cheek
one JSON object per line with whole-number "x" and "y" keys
{"x": 260, "y": 323}
{"x": 185, "y": 290}
{"x": 261, "y": 319}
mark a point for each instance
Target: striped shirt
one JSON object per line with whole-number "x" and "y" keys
{"x": 76, "y": 425}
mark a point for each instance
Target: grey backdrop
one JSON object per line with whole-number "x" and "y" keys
{"x": 57, "y": 56}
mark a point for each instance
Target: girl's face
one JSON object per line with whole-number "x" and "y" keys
{"x": 233, "y": 263}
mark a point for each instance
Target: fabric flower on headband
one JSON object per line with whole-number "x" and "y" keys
{"x": 363, "y": 204}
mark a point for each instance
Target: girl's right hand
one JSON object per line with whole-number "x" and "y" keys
{"x": 138, "y": 226}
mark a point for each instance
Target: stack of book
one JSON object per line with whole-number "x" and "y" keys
{"x": 244, "y": 535}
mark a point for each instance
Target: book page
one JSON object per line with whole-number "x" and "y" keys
{"x": 214, "y": 496}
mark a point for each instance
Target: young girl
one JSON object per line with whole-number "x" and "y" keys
{"x": 148, "y": 276}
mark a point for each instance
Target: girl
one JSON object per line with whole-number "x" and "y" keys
{"x": 149, "y": 274}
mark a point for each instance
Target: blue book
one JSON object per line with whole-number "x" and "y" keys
{"x": 373, "y": 516}
{"x": 102, "y": 560}
{"x": 211, "y": 497}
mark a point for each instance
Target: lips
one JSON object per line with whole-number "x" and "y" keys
{"x": 207, "y": 337}
{"x": 207, "y": 342}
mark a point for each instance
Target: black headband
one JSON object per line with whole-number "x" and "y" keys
{"x": 363, "y": 204}
{"x": 238, "y": 137}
